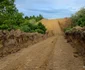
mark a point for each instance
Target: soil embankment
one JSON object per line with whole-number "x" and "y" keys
{"x": 76, "y": 37}
{"x": 15, "y": 40}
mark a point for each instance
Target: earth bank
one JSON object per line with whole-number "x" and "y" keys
{"x": 14, "y": 40}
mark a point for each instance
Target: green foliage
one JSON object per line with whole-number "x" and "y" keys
{"x": 4, "y": 26}
{"x": 32, "y": 21}
{"x": 42, "y": 27}
{"x": 25, "y": 28}
{"x": 39, "y": 31}
{"x": 79, "y": 18}
{"x": 30, "y": 27}
{"x": 68, "y": 29}
{"x": 37, "y": 18}
{"x": 10, "y": 19}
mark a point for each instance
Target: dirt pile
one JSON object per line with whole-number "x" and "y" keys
{"x": 13, "y": 41}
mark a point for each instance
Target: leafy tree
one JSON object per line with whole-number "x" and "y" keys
{"x": 26, "y": 17}
{"x": 39, "y": 17}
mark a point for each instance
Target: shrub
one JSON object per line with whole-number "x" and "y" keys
{"x": 39, "y": 31}
{"x": 67, "y": 29}
{"x": 42, "y": 27}
{"x": 78, "y": 18}
{"x": 25, "y": 28}
{"x": 4, "y": 26}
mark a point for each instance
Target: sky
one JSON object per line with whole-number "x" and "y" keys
{"x": 50, "y": 9}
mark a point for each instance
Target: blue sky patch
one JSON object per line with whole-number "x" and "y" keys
{"x": 49, "y": 8}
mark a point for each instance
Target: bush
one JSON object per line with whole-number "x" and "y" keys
{"x": 25, "y": 28}
{"x": 39, "y": 31}
{"x": 67, "y": 29}
{"x": 78, "y": 18}
{"x": 42, "y": 27}
{"x": 4, "y": 26}
{"x": 28, "y": 27}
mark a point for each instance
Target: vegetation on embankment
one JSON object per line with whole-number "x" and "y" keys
{"x": 75, "y": 33}
{"x": 78, "y": 19}
{"x": 78, "y": 23}
{"x": 16, "y": 30}
{"x": 11, "y": 19}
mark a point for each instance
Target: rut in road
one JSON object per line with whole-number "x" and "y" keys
{"x": 53, "y": 53}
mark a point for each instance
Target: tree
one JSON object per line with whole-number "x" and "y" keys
{"x": 9, "y": 15}
{"x": 39, "y": 17}
{"x": 26, "y": 17}
{"x": 7, "y": 10}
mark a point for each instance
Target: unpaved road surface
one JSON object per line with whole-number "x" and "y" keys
{"x": 53, "y": 53}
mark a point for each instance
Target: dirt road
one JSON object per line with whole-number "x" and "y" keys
{"x": 53, "y": 53}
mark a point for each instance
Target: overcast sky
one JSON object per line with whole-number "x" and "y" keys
{"x": 49, "y": 8}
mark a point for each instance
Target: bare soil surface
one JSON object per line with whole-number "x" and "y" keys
{"x": 53, "y": 53}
